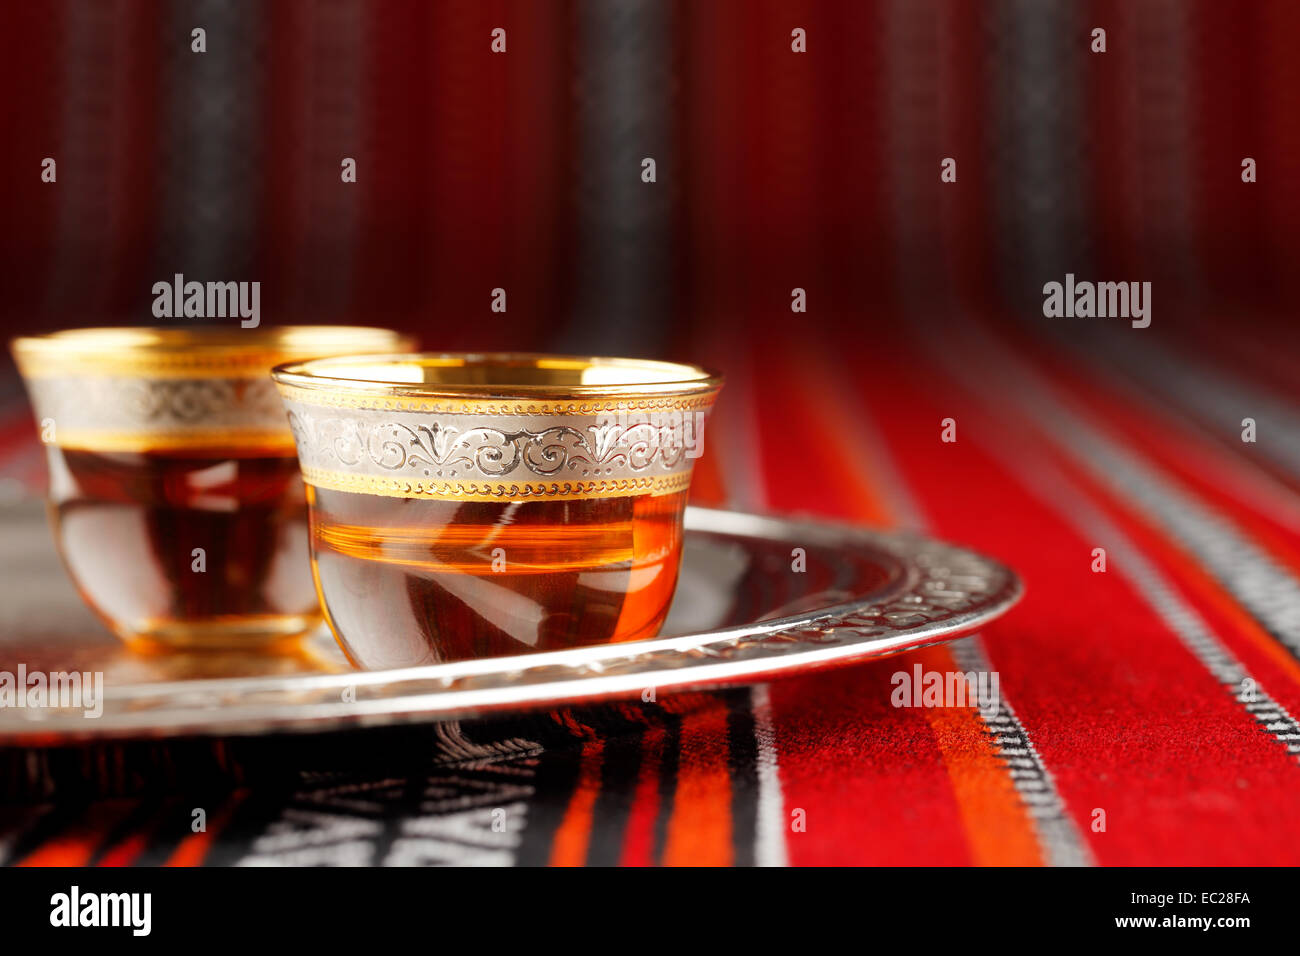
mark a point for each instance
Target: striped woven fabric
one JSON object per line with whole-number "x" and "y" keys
{"x": 1148, "y": 712}
{"x": 1123, "y": 693}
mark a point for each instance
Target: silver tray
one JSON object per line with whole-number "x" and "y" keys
{"x": 741, "y": 614}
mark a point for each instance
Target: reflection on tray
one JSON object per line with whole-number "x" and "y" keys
{"x": 46, "y": 627}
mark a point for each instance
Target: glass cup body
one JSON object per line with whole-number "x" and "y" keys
{"x": 175, "y": 496}
{"x": 474, "y": 505}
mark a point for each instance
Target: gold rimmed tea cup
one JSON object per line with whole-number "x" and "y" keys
{"x": 471, "y": 505}
{"x": 174, "y": 491}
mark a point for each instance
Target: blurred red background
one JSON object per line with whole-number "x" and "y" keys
{"x": 521, "y": 170}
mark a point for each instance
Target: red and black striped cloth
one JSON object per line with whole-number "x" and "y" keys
{"x": 1149, "y": 711}
{"x": 1126, "y": 733}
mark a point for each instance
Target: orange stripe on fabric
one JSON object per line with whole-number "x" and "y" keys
{"x": 992, "y": 813}
{"x": 1226, "y": 605}
{"x": 69, "y": 850}
{"x": 192, "y": 850}
{"x": 994, "y": 817}
{"x": 699, "y": 831}
{"x": 127, "y": 849}
{"x": 124, "y": 851}
{"x": 1194, "y": 578}
{"x": 76, "y": 845}
{"x": 639, "y": 833}
{"x": 573, "y": 836}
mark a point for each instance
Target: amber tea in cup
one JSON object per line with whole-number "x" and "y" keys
{"x": 471, "y": 505}
{"x": 175, "y": 495}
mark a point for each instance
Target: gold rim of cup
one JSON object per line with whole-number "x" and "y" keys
{"x": 218, "y": 351}
{"x": 497, "y": 426}
{"x": 155, "y": 389}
